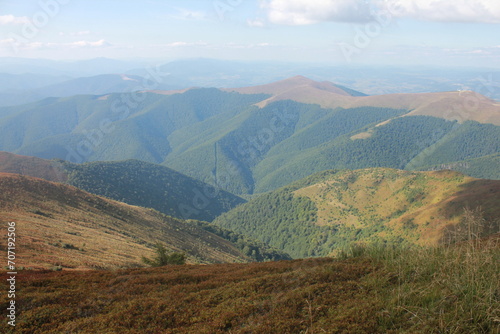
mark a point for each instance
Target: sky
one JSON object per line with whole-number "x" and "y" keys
{"x": 337, "y": 32}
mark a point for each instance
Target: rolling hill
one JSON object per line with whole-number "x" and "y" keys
{"x": 257, "y": 139}
{"x": 60, "y": 225}
{"x": 133, "y": 182}
{"x": 326, "y": 212}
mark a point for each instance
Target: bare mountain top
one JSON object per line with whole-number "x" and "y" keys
{"x": 458, "y": 105}
{"x": 291, "y": 84}
{"x": 32, "y": 166}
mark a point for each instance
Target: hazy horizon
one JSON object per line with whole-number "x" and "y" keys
{"x": 332, "y": 32}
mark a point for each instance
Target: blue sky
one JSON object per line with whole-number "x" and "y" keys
{"x": 384, "y": 32}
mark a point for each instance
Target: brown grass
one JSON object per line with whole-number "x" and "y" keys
{"x": 377, "y": 290}
{"x": 60, "y": 225}
{"x": 302, "y": 296}
{"x": 36, "y": 167}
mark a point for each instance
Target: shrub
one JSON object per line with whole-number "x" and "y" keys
{"x": 163, "y": 259}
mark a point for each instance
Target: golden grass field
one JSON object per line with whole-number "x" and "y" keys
{"x": 60, "y": 225}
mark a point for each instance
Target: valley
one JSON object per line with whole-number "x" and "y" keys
{"x": 65, "y": 227}
{"x": 310, "y": 201}
{"x": 250, "y": 167}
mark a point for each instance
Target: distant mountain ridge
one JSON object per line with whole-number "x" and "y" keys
{"x": 458, "y": 105}
{"x": 93, "y": 85}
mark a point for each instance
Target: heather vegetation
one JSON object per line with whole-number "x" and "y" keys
{"x": 373, "y": 289}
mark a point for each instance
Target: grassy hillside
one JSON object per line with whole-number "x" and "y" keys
{"x": 133, "y": 182}
{"x": 49, "y": 170}
{"x": 60, "y": 225}
{"x": 323, "y": 213}
{"x": 380, "y": 290}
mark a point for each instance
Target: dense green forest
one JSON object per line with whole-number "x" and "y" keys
{"x": 288, "y": 222}
{"x": 391, "y": 145}
{"x": 252, "y": 248}
{"x": 484, "y": 167}
{"x": 224, "y": 139}
{"x": 117, "y": 126}
{"x": 152, "y": 186}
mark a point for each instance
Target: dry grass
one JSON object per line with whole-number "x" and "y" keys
{"x": 60, "y": 225}
{"x": 377, "y": 290}
{"x": 451, "y": 288}
{"x": 36, "y": 167}
{"x": 302, "y": 296}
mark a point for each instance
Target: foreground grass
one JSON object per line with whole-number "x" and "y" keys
{"x": 446, "y": 289}
{"x": 280, "y": 297}
{"x": 453, "y": 289}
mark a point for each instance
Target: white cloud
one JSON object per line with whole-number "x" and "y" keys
{"x": 259, "y": 23}
{"x": 11, "y": 42}
{"x": 185, "y": 44}
{"x": 486, "y": 11}
{"x": 11, "y": 19}
{"x": 304, "y": 12}
{"x": 87, "y": 44}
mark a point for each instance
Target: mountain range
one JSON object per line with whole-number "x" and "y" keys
{"x": 256, "y": 139}
{"x": 201, "y": 72}
{"x": 322, "y": 166}
{"x": 319, "y": 215}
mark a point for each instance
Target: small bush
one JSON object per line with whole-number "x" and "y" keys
{"x": 163, "y": 259}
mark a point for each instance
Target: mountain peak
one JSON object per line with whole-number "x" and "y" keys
{"x": 299, "y": 79}
{"x": 297, "y": 86}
